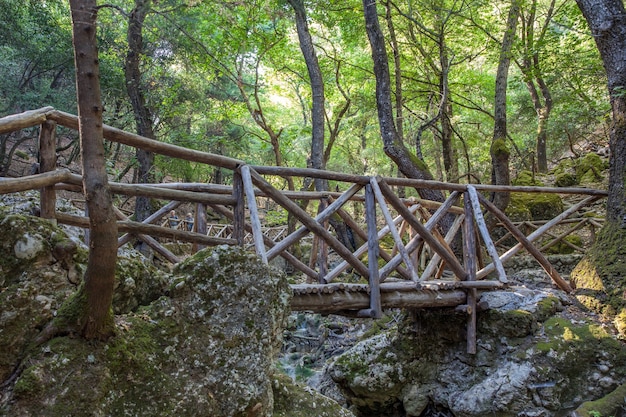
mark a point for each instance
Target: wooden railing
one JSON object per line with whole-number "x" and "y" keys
{"x": 392, "y": 235}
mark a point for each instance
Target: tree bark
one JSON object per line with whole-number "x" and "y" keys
{"x": 97, "y": 319}
{"x": 535, "y": 82}
{"x": 143, "y": 118}
{"x": 599, "y": 277}
{"x": 317, "y": 91}
{"x": 450, "y": 156}
{"x": 607, "y": 21}
{"x": 408, "y": 164}
{"x": 499, "y": 149}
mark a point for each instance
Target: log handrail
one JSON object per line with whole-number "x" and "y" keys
{"x": 249, "y": 183}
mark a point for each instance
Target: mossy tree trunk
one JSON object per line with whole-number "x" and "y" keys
{"x": 143, "y": 118}
{"x": 604, "y": 267}
{"x": 317, "y": 91}
{"x": 95, "y": 322}
{"x": 499, "y": 149}
{"x": 410, "y": 165}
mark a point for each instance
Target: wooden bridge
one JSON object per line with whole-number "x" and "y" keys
{"x": 377, "y": 259}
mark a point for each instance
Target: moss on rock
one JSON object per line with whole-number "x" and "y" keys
{"x": 600, "y": 278}
{"x": 207, "y": 350}
{"x": 526, "y": 178}
{"x": 610, "y": 405}
{"x": 565, "y": 179}
{"x": 510, "y": 323}
{"x": 295, "y": 400}
{"x": 547, "y": 308}
{"x": 539, "y": 206}
{"x": 531, "y": 359}
{"x": 33, "y": 283}
{"x": 589, "y": 168}
{"x": 136, "y": 283}
{"x": 563, "y": 248}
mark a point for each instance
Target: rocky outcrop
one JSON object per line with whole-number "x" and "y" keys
{"x": 33, "y": 282}
{"x": 199, "y": 342}
{"x": 538, "y": 355}
{"x": 294, "y": 400}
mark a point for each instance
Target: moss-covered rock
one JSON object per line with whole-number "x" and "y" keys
{"x": 509, "y": 323}
{"x": 33, "y": 282}
{"x": 609, "y": 405}
{"x": 589, "y": 168}
{"x": 600, "y": 278}
{"x": 207, "y": 350}
{"x": 527, "y": 178}
{"x": 295, "y": 400}
{"x": 532, "y": 359}
{"x": 137, "y": 283}
{"x": 565, "y": 179}
{"x": 538, "y": 206}
{"x": 563, "y": 248}
{"x": 518, "y": 211}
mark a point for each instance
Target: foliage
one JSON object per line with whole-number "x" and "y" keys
{"x": 36, "y": 60}
{"x": 211, "y": 67}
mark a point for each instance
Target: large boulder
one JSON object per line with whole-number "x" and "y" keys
{"x": 537, "y": 355}
{"x": 37, "y": 263}
{"x": 206, "y": 349}
{"x": 200, "y": 341}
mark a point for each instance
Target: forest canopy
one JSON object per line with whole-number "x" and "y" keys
{"x": 229, "y": 77}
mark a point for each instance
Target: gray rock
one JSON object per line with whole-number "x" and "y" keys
{"x": 207, "y": 349}
{"x": 537, "y": 355}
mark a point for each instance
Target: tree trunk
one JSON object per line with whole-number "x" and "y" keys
{"x": 607, "y": 20}
{"x": 409, "y": 165}
{"x": 450, "y": 157}
{"x": 143, "y": 118}
{"x": 393, "y": 41}
{"x": 398, "y": 93}
{"x": 535, "y": 82}
{"x": 97, "y": 320}
{"x": 543, "y": 115}
{"x": 499, "y": 149}
{"x": 317, "y": 91}
{"x": 605, "y": 261}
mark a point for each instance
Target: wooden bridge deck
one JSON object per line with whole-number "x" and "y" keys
{"x": 399, "y": 246}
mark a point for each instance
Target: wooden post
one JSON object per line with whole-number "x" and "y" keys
{"x": 536, "y": 234}
{"x": 308, "y": 222}
{"x": 239, "y": 210}
{"x": 322, "y": 259}
{"x": 469, "y": 252}
{"x": 392, "y": 228}
{"x": 199, "y": 225}
{"x": 47, "y": 163}
{"x": 372, "y": 252}
{"x": 315, "y": 250}
{"x": 524, "y": 241}
{"x": 255, "y": 220}
{"x": 482, "y": 227}
{"x": 450, "y": 259}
